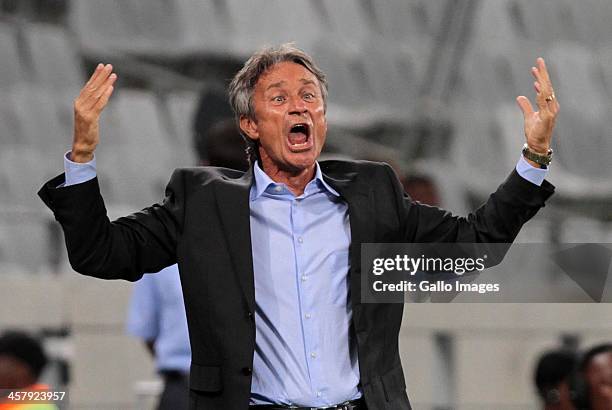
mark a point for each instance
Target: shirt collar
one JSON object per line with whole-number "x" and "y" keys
{"x": 262, "y": 182}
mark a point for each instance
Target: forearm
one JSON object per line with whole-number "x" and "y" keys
{"x": 123, "y": 249}
{"x": 498, "y": 220}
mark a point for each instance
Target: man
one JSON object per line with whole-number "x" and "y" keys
{"x": 596, "y": 368}
{"x": 270, "y": 259}
{"x": 22, "y": 361}
{"x": 553, "y": 375}
{"x": 157, "y": 316}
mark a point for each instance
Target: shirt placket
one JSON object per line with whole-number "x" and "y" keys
{"x": 307, "y": 294}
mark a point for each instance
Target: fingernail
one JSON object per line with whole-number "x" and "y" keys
{"x": 113, "y": 76}
{"x": 100, "y": 65}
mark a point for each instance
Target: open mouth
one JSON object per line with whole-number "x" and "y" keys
{"x": 299, "y": 137}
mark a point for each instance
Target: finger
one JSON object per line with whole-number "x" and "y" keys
{"x": 92, "y": 96}
{"x": 543, "y": 77}
{"x": 103, "y": 89}
{"x": 543, "y": 70}
{"x": 101, "y": 103}
{"x": 101, "y": 77}
{"x": 540, "y": 97}
{"x": 525, "y": 106}
{"x": 95, "y": 74}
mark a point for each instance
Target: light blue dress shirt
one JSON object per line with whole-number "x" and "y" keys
{"x": 304, "y": 354}
{"x": 157, "y": 312}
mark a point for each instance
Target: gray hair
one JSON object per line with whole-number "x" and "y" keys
{"x": 242, "y": 87}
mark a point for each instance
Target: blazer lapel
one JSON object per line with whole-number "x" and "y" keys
{"x": 361, "y": 217}
{"x": 233, "y": 206}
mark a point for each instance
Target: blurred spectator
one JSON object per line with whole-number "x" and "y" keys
{"x": 22, "y": 360}
{"x": 552, "y": 379}
{"x": 157, "y": 311}
{"x": 157, "y": 315}
{"x": 216, "y": 138}
{"x": 225, "y": 147}
{"x": 596, "y": 367}
{"x": 422, "y": 188}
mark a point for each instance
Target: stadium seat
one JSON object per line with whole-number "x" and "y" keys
{"x": 351, "y": 100}
{"x": 38, "y": 111}
{"x": 497, "y": 27}
{"x": 24, "y": 242}
{"x": 593, "y": 21}
{"x": 53, "y": 56}
{"x": 181, "y": 110}
{"x": 135, "y": 155}
{"x": 548, "y": 21}
{"x": 12, "y": 70}
{"x": 347, "y": 21}
{"x": 10, "y": 130}
{"x": 256, "y": 24}
{"x": 582, "y": 229}
{"x": 402, "y": 21}
{"x": 394, "y": 76}
{"x": 481, "y": 150}
{"x": 130, "y": 26}
{"x": 205, "y": 27}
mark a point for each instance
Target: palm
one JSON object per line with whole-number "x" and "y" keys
{"x": 539, "y": 124}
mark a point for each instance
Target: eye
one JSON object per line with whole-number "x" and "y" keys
{"x": 309, "y": 96}
{"x": 278, "y": 99}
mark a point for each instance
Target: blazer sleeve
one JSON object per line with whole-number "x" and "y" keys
{"x": 125, "y": 248}
{"x": 498, "y": 220}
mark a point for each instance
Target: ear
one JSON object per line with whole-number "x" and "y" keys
{"x": 249, "y": 127}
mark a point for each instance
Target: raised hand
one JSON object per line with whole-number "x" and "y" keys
{"x": 539, "y": 124}
{"x": 87, "y": 109}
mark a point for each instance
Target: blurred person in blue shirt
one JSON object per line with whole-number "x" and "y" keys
{"x": 157, "y": 316}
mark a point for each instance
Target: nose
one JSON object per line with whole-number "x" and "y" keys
{"x": 297, "y": 106}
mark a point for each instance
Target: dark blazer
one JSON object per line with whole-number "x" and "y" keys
{"x": 203, "y": 224}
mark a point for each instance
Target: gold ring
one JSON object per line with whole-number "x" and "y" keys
{"x": 550, "y": 97}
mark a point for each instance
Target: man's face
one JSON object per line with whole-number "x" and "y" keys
{"x": 599, "y": 378}
{"x": 290, "y": 122}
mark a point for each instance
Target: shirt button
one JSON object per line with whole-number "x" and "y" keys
{"x": 318, "y": 394}
{"x": 313, "y": 355}
{"x": 300, "y": 239}
{"x": 307, "y": 316}
{"x": 278, "y": 188}
{"x": 304, "y": 277}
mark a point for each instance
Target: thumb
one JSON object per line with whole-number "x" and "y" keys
{"x": 525, "y": 106}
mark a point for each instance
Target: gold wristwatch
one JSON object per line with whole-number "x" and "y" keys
{"x": 542, "y": 160}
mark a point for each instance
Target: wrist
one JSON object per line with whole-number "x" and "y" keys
{"x": 81, "y": 156}
{"x": 540, "y": 149}
{"x": 535, "y": 158}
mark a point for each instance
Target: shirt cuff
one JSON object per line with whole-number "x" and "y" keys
{"x": 529, "y": 172}
{"x": 77, "y": 173}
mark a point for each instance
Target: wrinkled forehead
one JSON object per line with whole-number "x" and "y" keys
{"x": 285, "y": 74}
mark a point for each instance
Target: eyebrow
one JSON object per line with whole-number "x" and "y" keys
{"x": 278, "y": 84}
{"x": 305, "y": 82}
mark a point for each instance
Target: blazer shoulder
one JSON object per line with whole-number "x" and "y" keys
{"x": 337, "y": 168}
{"x": 205, "y": 175}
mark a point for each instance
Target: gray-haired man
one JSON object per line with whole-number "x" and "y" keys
{"x": 270, "y": 259}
